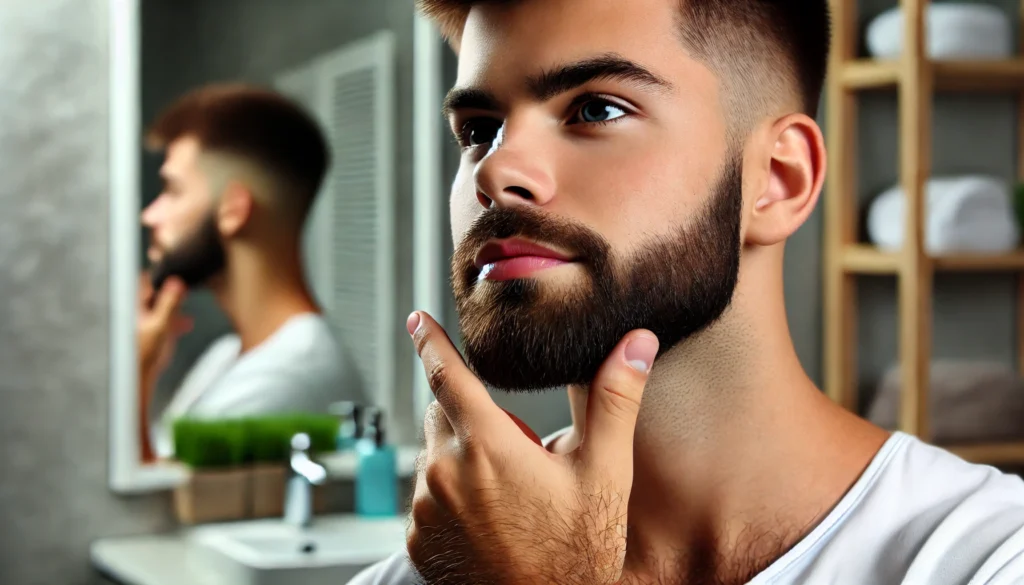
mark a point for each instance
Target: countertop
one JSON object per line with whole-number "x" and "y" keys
{"x": 163, "y": 559}
{"x": 143, "y": 560}
{"x": 174, "y": 559}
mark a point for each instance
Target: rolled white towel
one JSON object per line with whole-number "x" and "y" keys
{"x": 972, "y": 214}
{"x": 952, "y": 31}
{"x": 969, "y": 401}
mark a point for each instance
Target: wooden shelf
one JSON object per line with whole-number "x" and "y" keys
{"x": 989, "y": 454}
{"x": 916, "y": 79}
{"x": 866, "y": 259}
{"x": 867, "y": 74}
{"x": 980, "y": 76}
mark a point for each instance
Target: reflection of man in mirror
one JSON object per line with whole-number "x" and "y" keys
{"x": 242, "y": 168}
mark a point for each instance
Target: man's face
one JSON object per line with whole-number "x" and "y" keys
{"x": 596, "y": 194}
{"x": 185, "y": 241}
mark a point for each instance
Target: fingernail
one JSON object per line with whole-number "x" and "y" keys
{"x": 413, "y": 323}
{"x": 641, "y": 351}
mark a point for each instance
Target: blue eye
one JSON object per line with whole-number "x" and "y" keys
{"x": 597, "y": 111}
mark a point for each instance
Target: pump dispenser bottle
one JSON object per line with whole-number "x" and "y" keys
{"x": 377, "y": 470}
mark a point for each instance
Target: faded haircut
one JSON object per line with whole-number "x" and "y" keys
{"x": 770, "y": 54}
{"x": 258, "y": 126}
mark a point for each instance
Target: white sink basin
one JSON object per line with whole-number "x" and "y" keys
{"x": 269, "y": 552}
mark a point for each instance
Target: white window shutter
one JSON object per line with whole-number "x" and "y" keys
{"x": 350, "y": 241}
{"x": 301, "y": 86}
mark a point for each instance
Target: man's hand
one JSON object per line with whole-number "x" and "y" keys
{"x": 159, "y": 324}
{"x": 492, "y": 507}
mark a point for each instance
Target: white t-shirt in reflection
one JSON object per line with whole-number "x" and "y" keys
{"x": 302, "y": 367}
{"x": 917, "y": 516}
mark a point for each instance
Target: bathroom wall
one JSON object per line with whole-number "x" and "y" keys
{"x": 54, "y": 312}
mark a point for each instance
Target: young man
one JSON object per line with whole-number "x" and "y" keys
{"x": 631, "y": 172}
{"x": 242, "y": 168}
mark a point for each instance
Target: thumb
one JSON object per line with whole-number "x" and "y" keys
{"x": 168, "y": 300}
{"x": 614, "y": 404}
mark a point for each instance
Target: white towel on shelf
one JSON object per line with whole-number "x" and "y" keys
{"x": 969, "y": 401}
{"x": 970, "y": 214}
{"x": 952, "y": 31}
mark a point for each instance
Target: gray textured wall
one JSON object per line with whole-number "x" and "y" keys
{"x": 53, "y": 296}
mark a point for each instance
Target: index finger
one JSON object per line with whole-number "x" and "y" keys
{"x": 461, "y": 395}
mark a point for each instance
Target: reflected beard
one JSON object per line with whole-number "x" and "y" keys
{"x": 197, "y": 259}
{"x": 522, "y": 337}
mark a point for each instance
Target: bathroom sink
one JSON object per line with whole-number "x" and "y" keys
{"x": 269, "y": 552}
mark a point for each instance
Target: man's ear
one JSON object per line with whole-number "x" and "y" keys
{"x": 796, "y": 171}
{"x": 235, "y": 210}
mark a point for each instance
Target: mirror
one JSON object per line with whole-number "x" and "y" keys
{"x": 254, "y": 217}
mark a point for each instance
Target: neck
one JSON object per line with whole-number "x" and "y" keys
{"x": 735, "y": 444}
{"x": 261, "y": 291}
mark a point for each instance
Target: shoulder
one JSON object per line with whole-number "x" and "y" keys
{"x": 305, "y": 333}
{"x": 310, "y": 340}
{"x": 935, "y": 491}
{"x": 938, "y": 477}
{"x": 395, "y": 570}
{"x": 970, "y": 519}
{"x": 305, "y": 344}
{"x": 300, "y": 367}
{"x": 929, "y": 516}
{"x": 222, "y": 349}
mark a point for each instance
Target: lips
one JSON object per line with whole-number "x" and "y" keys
{"x": 515, "y": 258}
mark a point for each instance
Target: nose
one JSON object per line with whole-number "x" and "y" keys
{"x": 149, "y": 215}
{"x": 512, "y": 173}
{"x": 153, "y": 214}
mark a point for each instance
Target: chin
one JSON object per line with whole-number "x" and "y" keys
{"x": 525, "y": 377}
{"x": 525, "y": 337}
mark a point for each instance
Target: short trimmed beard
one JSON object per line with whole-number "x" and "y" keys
{"x": 520, "y": 337}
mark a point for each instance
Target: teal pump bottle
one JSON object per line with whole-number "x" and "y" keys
{"x": 348, "y": 424}
{"x": 376, "y": 471}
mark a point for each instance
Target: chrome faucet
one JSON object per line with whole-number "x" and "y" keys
{"x": 302, "y": 474}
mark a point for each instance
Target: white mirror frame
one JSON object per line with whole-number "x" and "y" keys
{"x": 429, "y": 199}
{"x": 127, "y": 475}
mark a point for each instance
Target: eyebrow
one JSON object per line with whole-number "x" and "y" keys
{"x": 468, "y": 99}
{"x": 563, "y": 79}
{"x": 607, "y": 67}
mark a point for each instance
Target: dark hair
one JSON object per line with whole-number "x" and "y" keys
{"x": 770, "y": 38}
{"x": 253, "y": 123}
